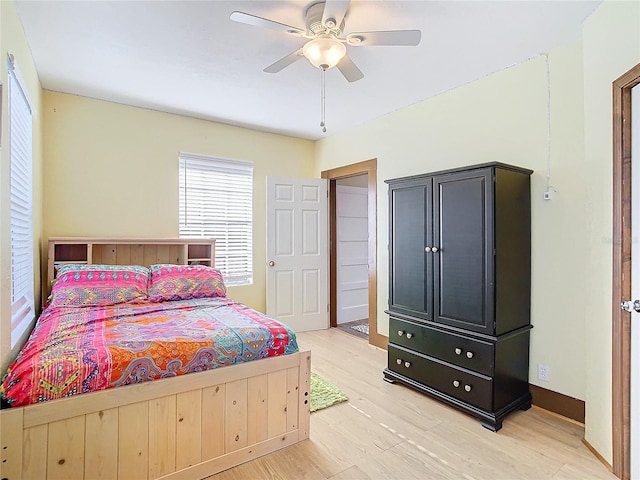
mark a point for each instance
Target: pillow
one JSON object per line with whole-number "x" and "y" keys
{"x": 182, "y": 282}
{"x": 79, "y": 285}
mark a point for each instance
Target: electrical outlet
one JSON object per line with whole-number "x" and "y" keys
{"x": 543, "y": 372}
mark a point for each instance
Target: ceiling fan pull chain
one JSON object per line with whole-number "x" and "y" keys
{"x": 322, "y": 98}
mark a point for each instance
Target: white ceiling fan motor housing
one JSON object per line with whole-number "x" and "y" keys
{"x": 313, "y": 21}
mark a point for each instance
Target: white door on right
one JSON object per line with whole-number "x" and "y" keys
{"x": 352, "y": 253}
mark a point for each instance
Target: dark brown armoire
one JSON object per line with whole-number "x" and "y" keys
{"x": 459, "y": 287}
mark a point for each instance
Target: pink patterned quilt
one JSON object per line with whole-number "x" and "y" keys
{"x": 75, "y": 350}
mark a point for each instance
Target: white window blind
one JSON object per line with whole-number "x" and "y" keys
{"x": 20, "y": 151}
{"x": 216, "y": 201}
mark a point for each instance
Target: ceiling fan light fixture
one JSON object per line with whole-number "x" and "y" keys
{"x": 324, "y": 52}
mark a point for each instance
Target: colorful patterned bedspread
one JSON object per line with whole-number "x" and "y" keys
{"x": 78, "y": 350}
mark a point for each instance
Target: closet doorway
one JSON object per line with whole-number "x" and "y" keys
{"x": 340, "y": 175}
{"x": 352, "y": 262}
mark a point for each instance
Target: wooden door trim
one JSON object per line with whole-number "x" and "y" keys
{"x": 368, "y": 167}
{"x": 621, "y": 321}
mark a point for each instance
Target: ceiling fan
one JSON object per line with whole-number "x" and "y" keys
{"x": 324, "y": 22}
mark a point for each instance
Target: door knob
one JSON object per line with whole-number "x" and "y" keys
{"x": 272, "y": 263}
{"x": 629, "y": 306}
{"x": 434, "y": 249}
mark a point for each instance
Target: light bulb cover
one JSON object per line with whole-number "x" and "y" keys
{"x": 324, "y": 51}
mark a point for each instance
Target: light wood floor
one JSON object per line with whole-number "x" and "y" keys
{"x": 389, "y": 431}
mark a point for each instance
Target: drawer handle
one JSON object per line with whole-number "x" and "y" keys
{"x": 469, "y": 354}
{"x": 407, "y": 364}
{"x": 456, "y": 383}
{"x": 467, "y": 388}
{"x": 458, "y": 351}
{"x": 399, "y": 361}
{"x": 400, "y": 333}
{"x": 409, "y": 335}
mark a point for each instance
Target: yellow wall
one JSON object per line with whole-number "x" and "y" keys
{"x": 611, "y": 48}
{"x": 501, "y": 118}
{"x": 112, "y": 170}
{"x": 13, "y": 41}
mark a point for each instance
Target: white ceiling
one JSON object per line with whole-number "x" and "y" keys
{"x": 188, "y": 58}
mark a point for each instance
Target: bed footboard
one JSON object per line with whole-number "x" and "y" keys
{"x": 185, "y": 427}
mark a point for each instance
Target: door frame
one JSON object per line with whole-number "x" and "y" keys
{"x": 621, "y": 321}
{"x": 368, "y": 167}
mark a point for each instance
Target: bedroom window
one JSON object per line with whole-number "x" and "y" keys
{"x": 216, "y": 201}
{"x": 20, "y": 152}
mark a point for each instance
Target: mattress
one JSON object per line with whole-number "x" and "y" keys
{"x": 76, "y": 350}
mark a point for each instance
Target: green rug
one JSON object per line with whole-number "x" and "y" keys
{"x": 323, "y": 394}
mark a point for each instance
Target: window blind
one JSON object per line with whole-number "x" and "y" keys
{"x": 216, "y": 201}
{"x": 21, "y": 178}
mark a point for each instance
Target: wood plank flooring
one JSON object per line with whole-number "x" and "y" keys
{"x": 389, "y": 431}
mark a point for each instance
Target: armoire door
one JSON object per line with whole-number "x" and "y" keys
{"x": 411, "y": 278}
{"x": 463, "y": 263}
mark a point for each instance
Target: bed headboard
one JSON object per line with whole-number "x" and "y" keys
{"x": 128, "y": 251}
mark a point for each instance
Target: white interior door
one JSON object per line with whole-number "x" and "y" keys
{"x": 352, "y": 253}
{"x": 635, "y": 282}
{"x": 297, "y": 252}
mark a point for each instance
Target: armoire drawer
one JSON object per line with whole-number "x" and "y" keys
{"x": 466, "y": 386}
{"x": 450, "y": 347}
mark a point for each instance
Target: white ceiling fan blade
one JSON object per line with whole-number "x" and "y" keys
{"x": 284, "y": 62}
{"x": 242, "y": 17}
{"x": 409, "y": 38}
{"x": 349, "y": 69}
{"x": 334, "y": 12}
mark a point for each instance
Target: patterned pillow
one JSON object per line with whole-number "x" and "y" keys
{"x": 79, "y": 285}
{"x": 182, "y": 282}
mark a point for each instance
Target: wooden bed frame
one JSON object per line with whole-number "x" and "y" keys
{"x": 186, "y": 427}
